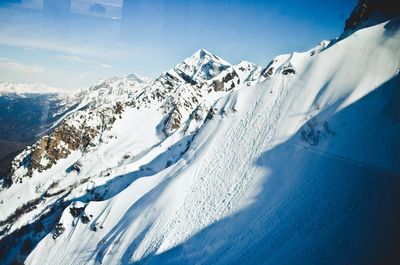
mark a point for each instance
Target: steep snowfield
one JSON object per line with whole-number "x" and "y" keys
{"x": 301, "y": 168}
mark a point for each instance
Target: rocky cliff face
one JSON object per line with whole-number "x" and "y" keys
{"x": 365, "y": 8}
{"x": 81, "y": 130}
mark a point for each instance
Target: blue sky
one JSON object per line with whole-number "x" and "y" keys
{"x": 72, "y": 43}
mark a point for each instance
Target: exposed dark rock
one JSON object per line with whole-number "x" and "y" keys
{"x": 118, "y": 108}
{"x": 313, "y": 131}
{"x": 76, "y": 211}
{"x": 58, "y": 230}
{"x": 85, "y": 219}
{"x": 173, "y": 122}
{"x": 211, "y": 113}
{"x": 186, "y": 78}
{"x": 269, "y": 70}
{"x": 75, "y": 167}
{"x": 219, "y": 85}
{"x": 365, "y": 8}
{"x": 62, "y": 141}
{"x": 288, "y": 71}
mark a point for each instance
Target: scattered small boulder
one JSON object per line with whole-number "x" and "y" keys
{"x": 85, "y": 219}
{"x": 58, "y": 230}
{"x": 75, "y": 212}
{"x": 77, "y": 166}
{"x": 211, "y": 113}
{"x": 288, "y": 71}
{"x": 313, "y": 131}
{"x": 76, "y": 209}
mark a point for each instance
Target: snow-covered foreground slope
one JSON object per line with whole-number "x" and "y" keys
{"x": 300, "y": 168}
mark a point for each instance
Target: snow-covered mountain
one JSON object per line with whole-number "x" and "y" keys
{"x": 212, "y": 163}
{"x": 27, "y": 89}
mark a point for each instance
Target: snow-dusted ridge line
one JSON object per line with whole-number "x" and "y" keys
{"x": 30, "y": 88}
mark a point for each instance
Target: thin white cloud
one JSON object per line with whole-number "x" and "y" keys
{"x": 7, "y": 65}
{"x": 78, "y": 59}
{"x": 27, "y": 30}
{"x": 74, "y": 59}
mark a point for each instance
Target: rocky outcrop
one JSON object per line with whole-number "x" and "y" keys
{"x": 288, "y": 71}
{"x": 220, "y": 85}
{"x": 365, "y": 8}
{"x": 77, "y": 132}
{"x": 314, "y": 131}
{"x": 59, "y": 230}
{"x": 268, "y": 71}
{"x": 173, "y": 122}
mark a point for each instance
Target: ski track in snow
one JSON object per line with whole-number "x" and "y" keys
{"x": 211, "y": 189}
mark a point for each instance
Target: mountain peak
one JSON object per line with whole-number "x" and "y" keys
{"x": 137, "y": 78}
{"x": 201, "y": 53}
{"x": 204, "y": 54}
{"x": 201, "y": 66}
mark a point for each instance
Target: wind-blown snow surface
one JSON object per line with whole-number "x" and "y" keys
{"x": 302, "y": 168}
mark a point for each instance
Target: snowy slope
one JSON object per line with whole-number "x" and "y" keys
{"x": 105, "y": 136}
{"x": 302, "y": 167}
